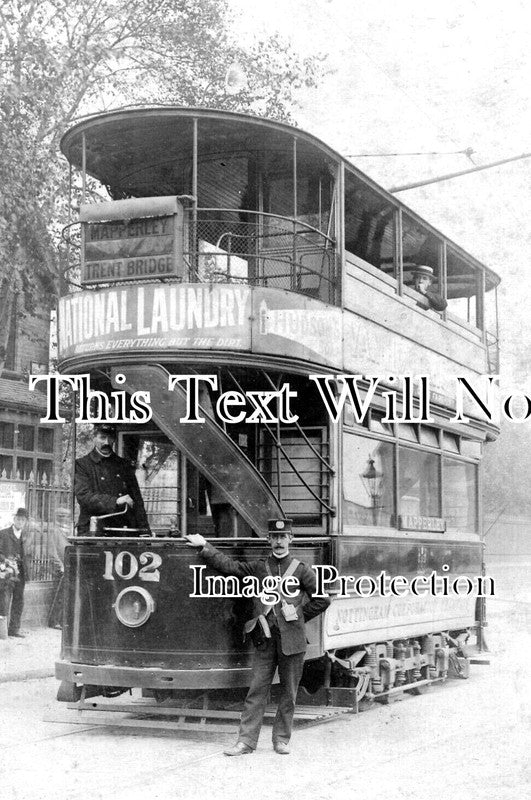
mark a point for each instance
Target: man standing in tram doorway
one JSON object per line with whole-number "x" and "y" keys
{"x": 12, "y": 543}
{"x": 279, "y": 634}
{"x": 104, "y": 484}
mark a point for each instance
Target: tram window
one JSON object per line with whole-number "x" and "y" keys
{"x": 408, "y": 432}
{"x": 315, "y": 187}
{"x": 378, "y": 426}
{"x": 419, "y": 247}
{"x": 470, "y": 448}
{"x": 369, "y": 225}
{"x": 429, "y": 436}
{"x": 419, "y": 483}
{"x": 460, "y": 495}
{"x": 349, "y": 419}
{"x": 222, "y": 180}
{"x": 451, "y": 442}
{"x": 278, "y": 184}
{"x": 158, "y": 472}
{"x": 368, "y": 481}
{"x": 463, "y": 289}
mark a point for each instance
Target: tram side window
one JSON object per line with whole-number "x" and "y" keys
{"x": 418, "y": 483}
{"x": 369, "y": 225}
{"x": 463, "y": 290}
{"x": 419, "y": 248}
{"x": 368, "y": 482}
{"x": 460, "y": 495}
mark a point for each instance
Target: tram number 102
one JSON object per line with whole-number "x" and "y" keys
{"x": 125, "y": 565}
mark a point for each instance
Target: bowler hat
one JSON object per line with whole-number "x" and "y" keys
{"x": 21, "y": 512}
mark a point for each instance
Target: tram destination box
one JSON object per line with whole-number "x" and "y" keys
{"x": 130, "y": 240}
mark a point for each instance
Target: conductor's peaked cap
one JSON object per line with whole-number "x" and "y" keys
{"x": 105, "y": 427}
{"x": 279, "y": 526}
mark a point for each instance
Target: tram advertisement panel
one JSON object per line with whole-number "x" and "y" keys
{"x": 200, "y": 316}
{"x": 237, "y": 317}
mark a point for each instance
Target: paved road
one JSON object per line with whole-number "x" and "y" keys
{"x": 467, "y": 739}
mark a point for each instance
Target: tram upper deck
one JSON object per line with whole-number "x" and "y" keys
{"x": 248, "y": 248}
{"x": 267, "y": 209}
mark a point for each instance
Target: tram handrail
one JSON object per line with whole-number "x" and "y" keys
{"x": 278, "y": 444}
{"x": 291, "y": 220}
{"x": 302, "y": 241}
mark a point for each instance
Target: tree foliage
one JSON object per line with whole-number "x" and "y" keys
{"x": 64, "y": 58}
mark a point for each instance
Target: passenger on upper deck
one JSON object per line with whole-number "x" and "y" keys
{"x": 422, "y": 280}
{"x": 104, "y": 483}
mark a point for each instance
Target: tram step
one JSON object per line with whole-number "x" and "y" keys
{"x": 147, "y": 715}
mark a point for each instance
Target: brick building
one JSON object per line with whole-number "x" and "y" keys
{"x": 28, "y": 449}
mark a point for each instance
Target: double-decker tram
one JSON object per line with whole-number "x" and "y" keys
{"x": 235, "y": 260}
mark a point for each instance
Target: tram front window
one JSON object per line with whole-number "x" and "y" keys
{"x": 368, "y": 482}
{"x": 158, "y": 471}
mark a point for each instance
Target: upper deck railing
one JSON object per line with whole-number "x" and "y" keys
{"x": 223, "y": 245}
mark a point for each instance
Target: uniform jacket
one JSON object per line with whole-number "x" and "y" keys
{"x": 292, "y": 634}
{"x": 98, "y": 482}
{"x": 11, "y": 547}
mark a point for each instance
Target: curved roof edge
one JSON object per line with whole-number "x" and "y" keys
{"x": 94, "y": 119}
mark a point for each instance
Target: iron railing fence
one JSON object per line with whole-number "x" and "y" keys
{"x": 43, "y": 500}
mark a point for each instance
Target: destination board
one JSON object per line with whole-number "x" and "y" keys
{"x": 133, "y": 247}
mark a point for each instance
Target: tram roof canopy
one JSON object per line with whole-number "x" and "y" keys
{"x": 141, "y": 152}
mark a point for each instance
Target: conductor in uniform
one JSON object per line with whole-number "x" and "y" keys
{"x": 104, "y": 483}
{"x": 285, "y": 622}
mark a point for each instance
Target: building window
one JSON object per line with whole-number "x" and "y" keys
{"x": 26, "y": 437}
{"x": 44, "y": 469}
{"x": 7, "y": 435}
{"x": 6, "y": 466}
{"x": 45, "y": 439}
{"x": 24, "y": 467}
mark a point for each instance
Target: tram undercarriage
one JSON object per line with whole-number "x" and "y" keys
{"x": 336, "y": 683}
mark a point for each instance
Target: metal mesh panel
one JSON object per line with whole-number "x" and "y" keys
{"x": 262, "y": 250}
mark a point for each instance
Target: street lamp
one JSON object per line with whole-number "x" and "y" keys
{"x": 372, "y": 481}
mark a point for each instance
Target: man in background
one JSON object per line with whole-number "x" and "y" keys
{"x": 62, "y": 529}
{"x": 12, "y": 548}
{"x": 422, "y": 281}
